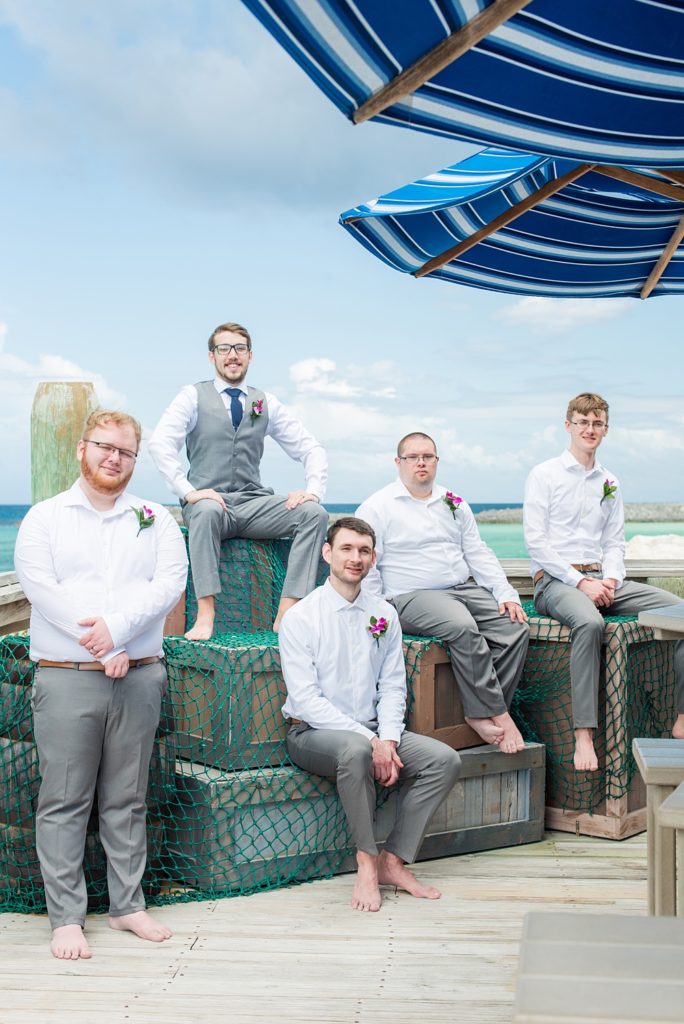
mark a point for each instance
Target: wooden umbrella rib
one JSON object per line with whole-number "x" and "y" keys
{"x": 661, "y": 188}
{"x": 665, "y": 257}
{"x": 673, "y": 174}
{"x": 549, "y": 189}
{"x": 437, "y": 59}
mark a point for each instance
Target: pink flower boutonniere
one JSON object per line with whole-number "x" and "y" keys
{"x": 452, "y": 502}
{"x": 145, "y": 517}
{"x": 609, "y": 489}
{"x": 257, "y": 409}
{"x": 377, "y": 628}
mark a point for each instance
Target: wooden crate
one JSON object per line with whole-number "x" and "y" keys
{"x": 227, "y": 700}
{"x": 497, "y": 801}
{"x": 238, "y": 830}
{"x": 227, "y": 696}
{"x": 249, "y": 595}
{"x": 635, "y": 670}
{"x": 435, "y": 707}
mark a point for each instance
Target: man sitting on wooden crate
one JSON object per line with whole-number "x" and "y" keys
{"x": 343, "y": 664}
{"x": 101, "y": 569}
{"x": 428, "y": 547}
{"x": 574, "y": 532}
{"x": 223, "y": 424}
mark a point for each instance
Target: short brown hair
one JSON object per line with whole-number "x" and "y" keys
{"x": 234, "y": 329}
{"x": 350, "y": 523}
{"x": 101, "y": 417}
{"x": 585, "y": 403}
{"x": 409, "y": 437}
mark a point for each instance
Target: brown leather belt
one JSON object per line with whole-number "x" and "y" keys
{"x": 95, "y": 666}
{"x": 295, "y": 721}
{"x": 582, "y": 567}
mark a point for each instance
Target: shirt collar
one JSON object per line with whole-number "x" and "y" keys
{"x": 339, "y": 603}
{"x": 400, "y": 490}
{"x": 77, "y": 496}
{"x": 221, "y": 386}
{"x": 570, "y": 462}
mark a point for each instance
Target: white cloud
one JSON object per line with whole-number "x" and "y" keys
{"x": 320, "y": 377}
{"x": 19, "y": 379}
{"x": 647, "y": 443}
{"x": 556, "y": 316}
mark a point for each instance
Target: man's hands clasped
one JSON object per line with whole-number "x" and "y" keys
{"x": 386, "y": 763}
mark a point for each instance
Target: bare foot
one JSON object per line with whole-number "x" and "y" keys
{"x": 393, "y": 871}
{"x": 142, "y": 925}
{"x": 202, "y": 630}
{"x": 585, "y": 755}
{"x": 485, "y": 728}
{"x": 283, "y": 605}
{"x": 678, "y": 728}
{"x": 68, "y": 943}
{"x": 366, "y": 895}
{"x": 511, "y": 742}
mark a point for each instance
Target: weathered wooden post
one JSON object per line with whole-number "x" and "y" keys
{"x": 60, "y": 408}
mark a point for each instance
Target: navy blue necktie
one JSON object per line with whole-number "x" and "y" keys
{"x": 235, "y": 406}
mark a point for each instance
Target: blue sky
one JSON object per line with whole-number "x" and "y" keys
{"x": 166, "y": 167}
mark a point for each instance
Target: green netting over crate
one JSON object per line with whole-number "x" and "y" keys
{"x": 636, "y": 698}
{"x": 228, "y": 813}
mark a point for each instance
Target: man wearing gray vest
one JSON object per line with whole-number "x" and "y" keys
{"x": 223, "y": 423}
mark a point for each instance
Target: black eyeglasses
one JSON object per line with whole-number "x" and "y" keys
{"x": 411, "y": 459}
{"x": 109, "y": 449}
{"x": 224, "y": 349}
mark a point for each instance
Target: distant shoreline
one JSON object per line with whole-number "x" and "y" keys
{"x": 651, "y": 512}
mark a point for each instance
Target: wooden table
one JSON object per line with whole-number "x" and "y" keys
{"x": 667, "y": 622}
{"x": 661, "y": 763}
{"x": 670, "y": 814}
{"x": 600, "y": 967}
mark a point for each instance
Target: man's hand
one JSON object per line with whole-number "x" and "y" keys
{"x": 192, "y": 497}
{"x": 295, "y": 498}
{"x": 514, "y": 610}
{"x": 601, "y": 592}
{"x": 386, "y": 762}
{"x": 117, "y": 667}
{"x": 98, "y": 640}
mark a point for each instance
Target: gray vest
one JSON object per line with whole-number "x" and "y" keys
{"x": 221, "y": 457}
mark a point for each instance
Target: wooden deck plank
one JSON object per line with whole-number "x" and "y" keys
{"x": 301, "y": 955}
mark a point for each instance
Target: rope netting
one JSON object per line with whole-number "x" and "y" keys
{"x": 228, "y": 813}
{"x": 636, "y": 698}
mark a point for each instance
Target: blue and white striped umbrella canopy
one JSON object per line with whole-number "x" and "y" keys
{"x": 599, "y": 80}
{"x": 593, "y": 236}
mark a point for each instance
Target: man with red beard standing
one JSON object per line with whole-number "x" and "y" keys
{"x": 101, "y": 569}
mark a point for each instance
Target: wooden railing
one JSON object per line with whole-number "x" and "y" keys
{"x": 15, "y": 609}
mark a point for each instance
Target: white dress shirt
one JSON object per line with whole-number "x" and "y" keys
{"x": 337, "y": 674}
{"x": 422, "y": 546}
{"x": 75, "y": 562}
{"x": 566, "y": 522}
{"x": 181, "y": 418}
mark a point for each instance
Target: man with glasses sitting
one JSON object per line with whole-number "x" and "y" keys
{"x": 223, "y": 424}
{"x": 428, "y": 546}
{"x": 574, "y": 533}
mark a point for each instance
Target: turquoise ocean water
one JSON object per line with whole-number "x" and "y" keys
{"x": 505, "y": 539}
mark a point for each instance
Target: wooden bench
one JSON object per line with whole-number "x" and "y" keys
{"x": 600, "y": 967}
{"x": 661, "y": 763}
{"x": 670, "y": 815}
